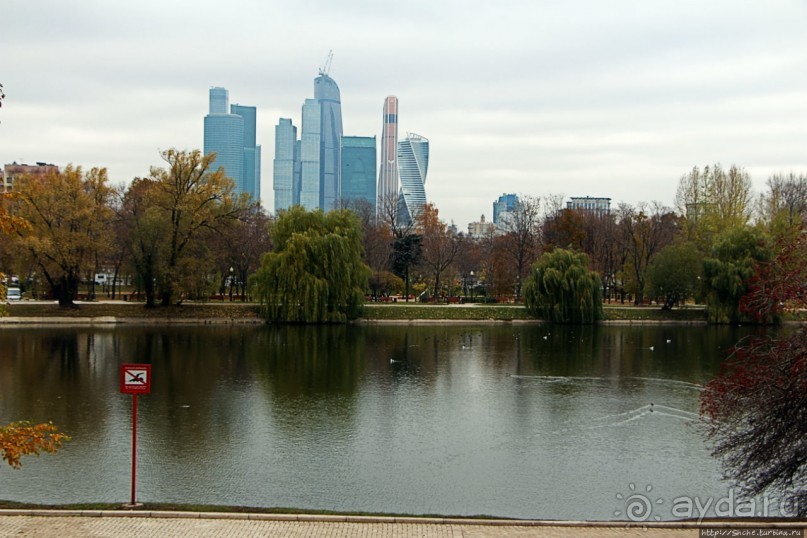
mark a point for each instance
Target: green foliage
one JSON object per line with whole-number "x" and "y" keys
{"x": 384, "y": 283}
{"x": 560, "y": 288}
{"x": 675, "y": 272}
{"x": 316, "y": 273}
{"x": 407, "y": 251}
{"x": 726, "y": 275}
{"x": 713, "y": 200}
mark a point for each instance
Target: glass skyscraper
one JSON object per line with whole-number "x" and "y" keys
{"x": 327, "y": 93}
{"x": 306, "y": 171}
{"x": 388, "y": 170}
{"x": 506, "y": 204}
{"x": 251, "y": 170}
{"x": 357, "y": 170}
{"x": 310, "y": 143}
{"x": 284, "y": 164}
{"x": 413, "y": 164}
{"x": 230, "y": 134}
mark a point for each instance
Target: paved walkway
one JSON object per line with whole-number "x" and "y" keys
{"x": 165, "y": 524}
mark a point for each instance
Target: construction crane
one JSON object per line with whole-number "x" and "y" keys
{"x": 325, "y": 69}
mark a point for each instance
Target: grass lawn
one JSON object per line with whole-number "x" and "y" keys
{"x": 248, "y": 312}
{"x": 201, "y": 311}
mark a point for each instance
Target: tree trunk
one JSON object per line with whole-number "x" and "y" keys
{"x": 64, "y": 290}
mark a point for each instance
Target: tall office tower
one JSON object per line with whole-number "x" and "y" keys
{"x": 298, "y": 172}
{"x": 251, "y": 170}
{"x": 224, "y": 135}
{"x": 310, "y": 154}
{"x": 502, "y": 207}
{"x": 219, "y": 100}
{"x": 327, "y": 93}
{"x": 283, "y": 165}
{"x": 230, "y": 134}
{"x": 388, "y": 172}
{"x": 357, "y": 170}
{"x": 413, "y": 164}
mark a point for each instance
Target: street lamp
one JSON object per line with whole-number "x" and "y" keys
{"x": 472, "y": 285}
{"x": 231, "y": 284}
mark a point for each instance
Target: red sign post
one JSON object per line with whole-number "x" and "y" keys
{"x": 135, "y": 379}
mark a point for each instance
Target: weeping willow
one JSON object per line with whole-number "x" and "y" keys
{"x": 560, "y": 288}
{"x": 316, "y": 273}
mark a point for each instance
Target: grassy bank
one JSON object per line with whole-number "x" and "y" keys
{"x": 373, "y": 312}
{"x": 415, "y": 311}
{"x": 199, "y": 311}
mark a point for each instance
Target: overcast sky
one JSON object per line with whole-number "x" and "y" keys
{"x": 614, "y": 98}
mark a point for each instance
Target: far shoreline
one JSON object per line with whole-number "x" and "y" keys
{"x": 107, "y": 313}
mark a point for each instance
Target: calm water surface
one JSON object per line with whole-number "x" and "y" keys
{"x": 505, "y": 420}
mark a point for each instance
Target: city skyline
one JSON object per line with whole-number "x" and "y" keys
{"x": 230, "y": 133}
{"x": 584, "y": 99}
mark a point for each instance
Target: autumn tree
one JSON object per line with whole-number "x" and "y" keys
{"x": 757, "y": 406}
{"x": 406, "y": 244}
{"x": 240, "y": 245}
{"x": 784, "y": 207}
{"x": 607, "y": 254}
{"x": 522, "y": 238}
{"x": 315, "y": 273}
{"x": 713, "y": 200}
{"x": 191, "y": 199}
{"x": 142, "y": 228}
{"x": 468, "y": 262}
{"x": 561, "y": 289}
{"x": 495, "y": 271}
{"x": 24, "y": 438}
{"x": 564, "y": 229}
{"x": 643, "y": 231}
{"x": 440, "y": 245}
{"x": 62, "y": 221}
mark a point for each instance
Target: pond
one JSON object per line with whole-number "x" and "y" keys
{"x": 507, "y": 420}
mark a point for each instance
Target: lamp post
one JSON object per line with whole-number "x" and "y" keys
{"x": 231, "y": 284}
{"x": 472, "y": 286}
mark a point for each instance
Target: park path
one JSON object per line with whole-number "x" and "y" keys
{"x": 193, "y": 525}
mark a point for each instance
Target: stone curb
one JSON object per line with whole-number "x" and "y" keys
{"x": 111, "y": 320}
{"x": 327, "y": 518}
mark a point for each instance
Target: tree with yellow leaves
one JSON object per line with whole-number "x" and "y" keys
{"x": 62, "y": 220}
{"x": 23, "y": 438}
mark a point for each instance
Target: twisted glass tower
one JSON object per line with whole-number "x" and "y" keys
{"x": 413, "y": 164}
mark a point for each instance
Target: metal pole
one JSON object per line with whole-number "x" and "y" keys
{"x": 134, "y": 446}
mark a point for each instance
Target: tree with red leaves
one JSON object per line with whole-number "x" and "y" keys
{"x": 756, "y": 408}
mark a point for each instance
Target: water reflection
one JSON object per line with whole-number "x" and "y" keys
{"x": 507, "y": 420}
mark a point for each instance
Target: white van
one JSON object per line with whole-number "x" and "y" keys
{"x": 13, "y": 294}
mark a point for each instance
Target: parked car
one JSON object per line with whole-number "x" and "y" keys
{"x": 13, "y": 294}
